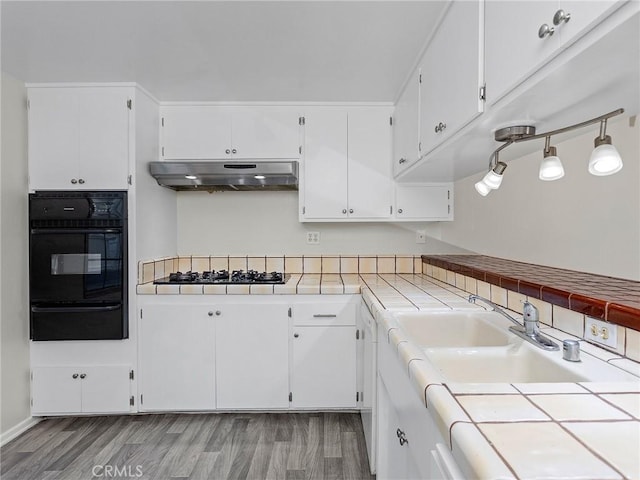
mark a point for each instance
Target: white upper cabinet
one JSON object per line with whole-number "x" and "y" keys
{"x": 347, "y": 173}
{"x": 419, "y": 202}
{"x": 518, "y": 44}
{"x": 79, "y": 137}
{"x": 206, "y": 132}
{"x": 369, "y": 174}
{"x": 406, "y": 126}
{"x": 325, "y": 165}
{"x": 452, "y": 75}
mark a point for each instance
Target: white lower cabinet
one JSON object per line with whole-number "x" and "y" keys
{"x": 323, "y": 354}
{"x": 242, "y": 353}
{"x": 177, "y": 357}
{"x": 394, "y": 459}
{"x": 252, "y": 357}
{"x": 80, "y": 389}
{"x": 407, "y": 434}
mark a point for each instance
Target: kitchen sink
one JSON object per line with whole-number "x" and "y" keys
{"x": 509, "y": 365}
{"x": 455, "y": 329}
{"x": 519, "y": 363}
{"x": 477, "y": 347}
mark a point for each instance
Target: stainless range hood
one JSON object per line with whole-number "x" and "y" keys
{"x": 221, "y": 175}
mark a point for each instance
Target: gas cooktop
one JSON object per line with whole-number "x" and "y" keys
{"x": 223, "y": 277}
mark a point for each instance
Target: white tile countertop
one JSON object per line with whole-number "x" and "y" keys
{"x": 500, "y": 430}
{"x": 495, "y": 430}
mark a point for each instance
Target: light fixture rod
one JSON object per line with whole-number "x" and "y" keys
{"x": 601, "y": 118}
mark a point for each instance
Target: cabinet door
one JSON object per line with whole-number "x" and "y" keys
{"x": 265, "y": 132}
{"x": 393, "y": 458}
{"x": 324, "y": 367}
{"x": 56, "y": 390}
{"x": 513, "y": 49}
{"x": 53, "y": 138}
{"x": 78, "y": 138}
{"x": 583, "y": 16}
{"x": 451, "y": 76}
{"x": 369, "y": 154}
{"x": 106, "y": 389}
{"x": 177, "y": 358}
{"x": 196, "y": 132}
{"x": 406, "y": 126}
{"x": 252, "y": 357}
{"x": 325, "y": 165}
{"x": 103, "y": 138}
{"x": 424, "y": 202}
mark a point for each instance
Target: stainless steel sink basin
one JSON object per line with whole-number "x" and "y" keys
{"x": 454, "y": 329}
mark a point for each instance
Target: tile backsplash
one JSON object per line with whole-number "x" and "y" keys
{"x": 151, "y": 270}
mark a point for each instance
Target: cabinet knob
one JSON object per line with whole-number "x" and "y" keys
{"x": 81, "y": 181}
{"x": 545, "y": 30}
{"x": 83, "y": 375}
{"x": 344, "y": 210}
{"x": 351, "y": 210}
{"x": 210, "y": 314}
{"x": 399, "y": 210}
{"x": 218, "y": 313}
{"x": 74, "y": 376}
{"x": 402, "y": 160}
{"x": 440, "y": 127}
{"x": 234, "y": 151}
{"x": 227, "y": 151}
{"x": 561, "y": 16}
{"x": 74, "y": 181}
{"x": 296, "y": 335}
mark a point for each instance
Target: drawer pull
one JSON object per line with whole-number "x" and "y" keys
{"x": 324, "y": 315}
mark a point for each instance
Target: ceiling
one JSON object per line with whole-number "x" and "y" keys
{"x": 237, "y": 51}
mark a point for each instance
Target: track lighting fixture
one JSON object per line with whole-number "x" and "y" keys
{"x": 604, "y": 160}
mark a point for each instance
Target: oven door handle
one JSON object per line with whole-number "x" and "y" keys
{"x": 36, "y": 231}
{"x": 109, "y": 308}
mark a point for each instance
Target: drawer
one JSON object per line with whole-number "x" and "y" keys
{"x": 325, "y": 313}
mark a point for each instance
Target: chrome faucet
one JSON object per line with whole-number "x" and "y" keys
{"x": 529, "y": 329}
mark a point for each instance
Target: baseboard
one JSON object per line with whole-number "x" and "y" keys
{"x": 20, "y": 428}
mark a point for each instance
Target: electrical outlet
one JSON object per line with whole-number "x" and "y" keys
{"x": 601, "y": 332}
{"x": 313, "y": 238}
{"x": 421, "y": 236}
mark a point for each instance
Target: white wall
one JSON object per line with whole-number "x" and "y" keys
{"x": 266, "y": 223}
{"x": 580, "y": 222}
{"x": 14, "y": 319}
{"x": 155, "y": 212}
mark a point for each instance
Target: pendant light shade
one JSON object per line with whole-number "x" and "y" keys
{"x": 551, "y": 167}
{"x": 605, "y": 159}
{"x": 482, "y": 188}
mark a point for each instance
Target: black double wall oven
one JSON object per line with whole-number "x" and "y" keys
{"x": 78, "y": 265}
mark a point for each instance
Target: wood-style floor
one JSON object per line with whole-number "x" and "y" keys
{"x": 288, "y": 446}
